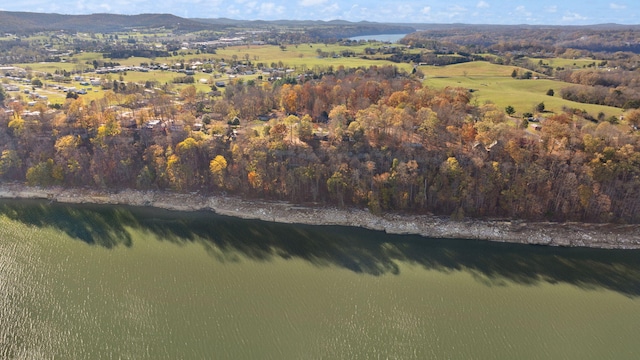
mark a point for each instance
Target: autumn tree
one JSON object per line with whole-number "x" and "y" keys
{"x": 45, "y": 173}
{"x": 305, "y": 128}
{"x": 217, "y": 166}
{"x": 10, "y": 165}
{"x": 633, "y": 118}
{"x": 337, "y": 184}
{"x": 289, "y": 99}
{"x": 73, "y": 159}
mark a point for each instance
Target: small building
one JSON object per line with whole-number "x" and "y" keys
{"x": 151, "y": 124}
{"x": 176, "y": 126}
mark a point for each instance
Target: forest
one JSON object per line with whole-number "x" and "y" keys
{"x": 543, "y": 39}
{"x": 611, "y": 79}
{"x": 371, "y": 137}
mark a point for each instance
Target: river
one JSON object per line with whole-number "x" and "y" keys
{"x": 110, "y": 282}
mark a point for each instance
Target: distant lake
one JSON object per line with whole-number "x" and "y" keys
{"x": 380, "y": 37}
{"x": 117, "y": 282}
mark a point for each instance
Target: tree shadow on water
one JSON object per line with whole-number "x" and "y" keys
{"x": 95, "y": 225}
{"x": 358, "y": 250}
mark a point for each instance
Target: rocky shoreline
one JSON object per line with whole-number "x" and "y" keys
{"x": 606, "y": 236}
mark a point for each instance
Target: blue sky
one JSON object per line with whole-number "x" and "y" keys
{"x": 542, "y": 12}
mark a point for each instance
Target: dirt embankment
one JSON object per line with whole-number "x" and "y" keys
{"x": 543, "y": 233}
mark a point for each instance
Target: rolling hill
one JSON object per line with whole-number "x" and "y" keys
{"x": 27, "y": 22}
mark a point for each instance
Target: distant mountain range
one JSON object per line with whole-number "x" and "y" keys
{"x": 28, "y": 22}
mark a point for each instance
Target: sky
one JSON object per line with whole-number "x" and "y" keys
{"x": 541, "y": 12}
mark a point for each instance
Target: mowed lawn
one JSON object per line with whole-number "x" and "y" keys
{"x": 493, "y": 83}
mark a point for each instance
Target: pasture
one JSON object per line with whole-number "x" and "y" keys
{"x": 488, "y": 82}
{"x": 566, "y": 63}
{"x": 493, "y": 83}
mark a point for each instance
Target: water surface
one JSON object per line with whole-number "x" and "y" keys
{"x": 101, "y": 282}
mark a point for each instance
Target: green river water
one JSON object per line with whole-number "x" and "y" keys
{"x": 105, "y": 282}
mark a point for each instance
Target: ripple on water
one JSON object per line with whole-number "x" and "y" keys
{"x": 158, "y": 299}
{"x": 17, "y": 293}
{"x": 33, "y": 322}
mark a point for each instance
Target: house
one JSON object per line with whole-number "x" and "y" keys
{"x": 175, "y": 126}
{"x": 128, "y": 122}
{"x": 151, "y": 124}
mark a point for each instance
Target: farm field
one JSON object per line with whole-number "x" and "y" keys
{"x": 566, "y": 63}
{"x": 493, "y": 83}
{"x": 300, "y": 57}
{"x": 488, "y": 82}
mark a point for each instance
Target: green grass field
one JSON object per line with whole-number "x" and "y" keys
{"x": 566, "y": 63}
{"x": 50, "y": 67}
{"x": 493, "y": 83}
{"x": 489, "y": 82}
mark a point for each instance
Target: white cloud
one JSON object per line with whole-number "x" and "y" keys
{"x": 331, "y": 9}
{"x": 271, "y": 9}
{"x": 403, "y": 11}
{"x": 476, "y": 11}
{"x": 251, "y": 6}
{"x": 80, "y": 5}
{"x": 522, "y": 11}
{"x": 571, "y": 17}
{"x": 457, "y": 9}
{"x": 312, "y": 2}
{"x": 232, "y": 11}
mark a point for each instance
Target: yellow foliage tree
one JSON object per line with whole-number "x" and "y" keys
{"x": 216, "y": 167}
{"x": 288, "y": 99}
{"x": 16, "y": 125}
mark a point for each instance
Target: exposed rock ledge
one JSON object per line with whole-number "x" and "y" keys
{"x": 610, "y": 236}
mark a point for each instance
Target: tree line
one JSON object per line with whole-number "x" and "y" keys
{"x": 367, "y": 137}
